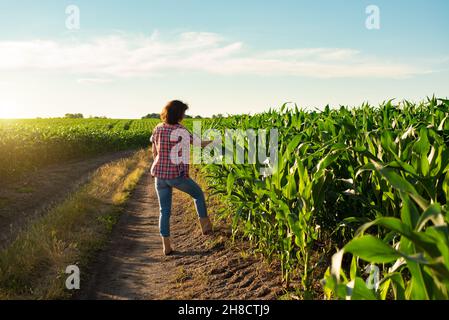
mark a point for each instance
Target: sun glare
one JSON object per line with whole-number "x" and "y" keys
{"x": 10, "y": 110}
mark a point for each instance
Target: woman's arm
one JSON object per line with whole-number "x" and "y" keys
{"x": 154, "y": 149}
{"x": 153, "y": 146}
{"x": 205, "y": 143}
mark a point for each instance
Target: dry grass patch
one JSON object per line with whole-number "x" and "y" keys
{"x": 33, "y": 266}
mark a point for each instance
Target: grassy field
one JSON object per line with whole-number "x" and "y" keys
{"x": 33, "y": 143}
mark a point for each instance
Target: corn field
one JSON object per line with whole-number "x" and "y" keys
{"x": 357, "y": 208}
{"x": 30, "y": 144}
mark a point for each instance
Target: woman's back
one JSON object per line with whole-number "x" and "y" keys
{"x": 167, "y": 139}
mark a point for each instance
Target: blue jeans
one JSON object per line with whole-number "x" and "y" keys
{"x": 164, "y": 189}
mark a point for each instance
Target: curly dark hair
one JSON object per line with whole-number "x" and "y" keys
{"x": 174, "y": 112}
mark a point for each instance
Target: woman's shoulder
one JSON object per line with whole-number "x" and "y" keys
{"x": 158, "y": 126}
{"x": 179, "y": 125}
{"x": 164, "y": 125}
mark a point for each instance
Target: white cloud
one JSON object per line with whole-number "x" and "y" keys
{"x": 138, "y": 55}
{"x": 94, "y": 80}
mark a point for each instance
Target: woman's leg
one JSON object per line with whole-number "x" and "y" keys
{"x": 164, "y": 194}
{"x": 190, "y": 187}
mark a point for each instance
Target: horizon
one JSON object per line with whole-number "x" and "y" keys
{"x": 290, "y": 106}
{"x": 124, "y": 61}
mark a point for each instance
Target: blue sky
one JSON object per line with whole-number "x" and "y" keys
{"x": 129, "y": 57}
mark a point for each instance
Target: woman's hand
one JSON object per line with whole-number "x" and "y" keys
{"x": 205, "y": 143}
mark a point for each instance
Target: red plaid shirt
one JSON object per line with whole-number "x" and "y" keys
{"x": 170, "y": 142}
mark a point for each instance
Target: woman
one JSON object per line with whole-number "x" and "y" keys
{"x": 171, "y": 172}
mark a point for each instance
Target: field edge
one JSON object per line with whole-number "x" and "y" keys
{"x": 33, "y": 266}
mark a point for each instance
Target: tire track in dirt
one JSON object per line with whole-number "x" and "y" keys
{"x": 132, "y": 266}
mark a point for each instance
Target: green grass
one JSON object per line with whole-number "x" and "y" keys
{"x": 32, "y": 143}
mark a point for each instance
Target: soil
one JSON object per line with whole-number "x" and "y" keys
{"x": 36, "y": 193}
{"x": 132, "y": 266}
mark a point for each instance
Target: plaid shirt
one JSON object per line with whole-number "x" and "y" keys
{"x": 170, "y": 161}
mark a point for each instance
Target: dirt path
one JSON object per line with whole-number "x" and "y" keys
{"x": 131, "y": 258}
{"x": 132, "y": 265}
{"x": 23, "y": 201}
